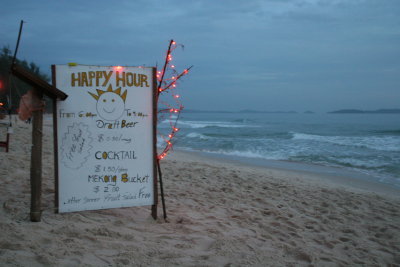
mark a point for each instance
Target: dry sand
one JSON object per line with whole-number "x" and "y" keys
{"x": 219, "y": 214}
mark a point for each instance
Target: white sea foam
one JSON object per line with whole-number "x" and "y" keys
{"x": 248, "y": 154}
{"x": 204, "y": 124}
{"x": 165, "y": 121}
{"x": 363, "y": 163}
{"x": 381, "y": 143}
{"x": 197, "y": 135}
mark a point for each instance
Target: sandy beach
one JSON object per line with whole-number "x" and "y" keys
{"x": 220, "y": 213}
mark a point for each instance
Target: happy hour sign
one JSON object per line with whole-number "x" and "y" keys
{"x": 105, "y": 137}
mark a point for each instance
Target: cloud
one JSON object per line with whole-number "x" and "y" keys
{"x": 283, "y": 44}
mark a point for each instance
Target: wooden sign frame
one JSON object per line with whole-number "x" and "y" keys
{"x": 153, "y": 84}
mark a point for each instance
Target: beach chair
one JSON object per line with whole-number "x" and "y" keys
{"x": 7, "y": 142}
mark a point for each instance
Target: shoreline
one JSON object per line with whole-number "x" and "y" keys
{"x": 312, "y": 172}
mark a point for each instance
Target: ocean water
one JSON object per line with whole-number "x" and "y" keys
{"x": 365, "y": 143}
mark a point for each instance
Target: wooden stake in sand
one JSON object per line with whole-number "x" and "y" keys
{"x": 36, "y": 160}
{"x": 40, "y": 87}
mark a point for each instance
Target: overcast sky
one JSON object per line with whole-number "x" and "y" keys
{"x": 269, "y": 55}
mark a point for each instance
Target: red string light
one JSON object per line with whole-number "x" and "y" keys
{"x": 166, "y": 85}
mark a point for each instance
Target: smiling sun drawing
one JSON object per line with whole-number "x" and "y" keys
{"x": 110, "y": 104}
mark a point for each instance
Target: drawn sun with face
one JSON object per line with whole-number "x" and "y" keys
{"x": 110, "y": 104}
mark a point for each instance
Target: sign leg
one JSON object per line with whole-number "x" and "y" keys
{"x": 155, "y": 187}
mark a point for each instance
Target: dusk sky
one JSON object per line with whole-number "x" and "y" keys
{"x": 318, "y": 55}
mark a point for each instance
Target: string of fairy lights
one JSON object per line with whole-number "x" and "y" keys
{"x": 168, "y": 78}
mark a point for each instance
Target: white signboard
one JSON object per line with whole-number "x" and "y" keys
{"x": 105, "y": 137}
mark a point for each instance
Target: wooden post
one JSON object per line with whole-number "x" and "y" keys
{"x": 36, "y": 158}
{"x": 55, "y": 140}
{"x": 155, "y": 113}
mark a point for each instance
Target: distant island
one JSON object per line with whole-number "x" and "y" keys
{"x": 260, "y": 111}
{"x": 240, "y": 111}
{"x": 357, "y": 111}
{"x": 205, "y": 111}
{"x": 340, "y": 111}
